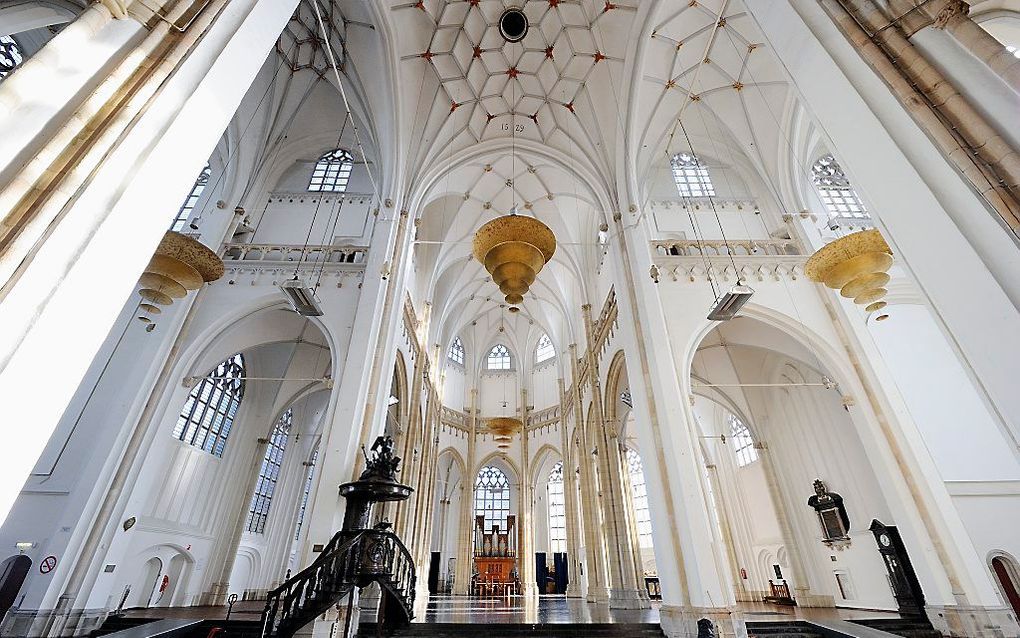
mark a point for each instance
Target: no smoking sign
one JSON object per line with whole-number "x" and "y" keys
{"x": 47, "y": 564}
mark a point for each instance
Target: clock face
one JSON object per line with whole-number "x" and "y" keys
{"x": 885, "y": 540}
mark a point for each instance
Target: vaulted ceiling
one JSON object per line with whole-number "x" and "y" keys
{"x": 596, "y": 96}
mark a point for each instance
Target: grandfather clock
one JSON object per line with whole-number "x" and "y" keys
{"x": 906, "y": 588}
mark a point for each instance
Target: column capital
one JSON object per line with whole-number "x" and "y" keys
{"x": 950, "y": 10}
{"x": 117, "y": 8}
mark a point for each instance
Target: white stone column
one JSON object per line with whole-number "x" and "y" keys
{"x": 964, "y": 259}
{"x": 526, "y": 511}
{"x": 222, "y": 563}
{"x": 187, "y": 104}
{"x": 682, "y": 530}
{"x": 465, "y": 547}
{"x": 573, "y": 522}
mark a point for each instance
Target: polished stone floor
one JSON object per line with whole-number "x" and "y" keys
{"x": 520, "y": 609}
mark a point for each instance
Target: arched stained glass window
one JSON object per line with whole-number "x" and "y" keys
{"x": 834, "y": 188}
{"x": 557, "y": 510}
{"x": 499, "y": 358}
{"x": 211, "y": 407}
{"x": 192, "y": 199}
{"x": 456, "y": 353}
{"x": 492, "y": 496}
{"x": 269, "y": 473}
{"x": 544, "y": 351}
{"x": 306, "y": 492}
{"x": 10, "y": 55}
{"x": 691, "y": 176}
{"x": 743, "y": 444}
{"x": 639, "y": 497}
{"x": 332, "y": 172}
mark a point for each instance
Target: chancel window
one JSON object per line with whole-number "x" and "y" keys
{"x": 211, "y": 407}
{"x": 743, "y": 444}
{"x": 305, "y": 493}
{"x": 691, "y": 176}
{"x": 10, "y": 55}
{"x": 456, "y": 353}
{"x": 639, "y": 497}
{"x": 557, "y": 511}
{"x": 192, "y": 199}
{"x": 544, "y": 351}
{"x": 332, "y": 172}
{"x": 834, "y": 188}
{"x": 269, "y": 473}
{"x": 492, "y": 496}
{"x": 499, "y": 358}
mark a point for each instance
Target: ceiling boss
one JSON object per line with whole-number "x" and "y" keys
{"x": 514, "y": 248}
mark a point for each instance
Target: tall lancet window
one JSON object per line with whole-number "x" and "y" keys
{"x": 691, "y": 176}
{"x": 499, "y": 358}
{"x": 834, "y": 188}
{"x": 211, "y": 407}
{"x": 332, "y": 172}
{"x": 544, "y": 351}
{"x": 639, "y": 496}
{"x": 557, "y": 510}
{"x": 456, "y": 353}
{"x": 492, "y": 496}
{"x": 743, "y": 444}
{"x": 269, "y": 473}
{"x": 191, "y": 200}
{"x": 10, "y": 55}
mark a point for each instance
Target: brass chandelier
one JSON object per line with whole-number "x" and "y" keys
{"x": 857, "y": 265}
{"x": 503, "y": 428}
{"x": 514, "y": 249}
{"x": 180, "y": 264}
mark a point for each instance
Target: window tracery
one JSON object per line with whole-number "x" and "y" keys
{"x": 639, "y": 497}
{"x": 10, "y": 55}
{"x": 691, "y": 176}
{"x": 544, "y": 350}
{"x": 743, "y": 444}
{"x": 192, "y": 199}
{"x": 499, "y": 358}
{"x": 211, "y": 406}
{"x": 332, "y": 172}
{"x": 269, "y": 473}
{"x": 492, "y": 496}
{"x": 837, "y": 193}
{"x": 557, "y": 510}
{"x": 456, "y": 352}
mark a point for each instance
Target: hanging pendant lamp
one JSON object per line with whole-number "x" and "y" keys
{"x": 503, "y": 428}
{"x": 514, "y": 249}
{"x": 857, "y": 265}
{"x": 181, "y": 264}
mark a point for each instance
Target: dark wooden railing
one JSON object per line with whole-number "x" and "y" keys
{"x": 350, "y": 560}
{"x": 779, "y": 593}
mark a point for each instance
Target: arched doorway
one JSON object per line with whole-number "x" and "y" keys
{"x": 13, "y": 572}
{"x": 152, "y": 575}
{"x": 1007, "y": 576}
{"x": 774, "y": 420}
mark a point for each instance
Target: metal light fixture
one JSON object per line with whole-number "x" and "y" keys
{"x": 514, "y": 249}
{"x": 180, "y": 264}
{"x": 857, "y": 265}
{"x": 729, "y": 304}
{"x": 302, "y": 298}
{"x": 503, "y": 428}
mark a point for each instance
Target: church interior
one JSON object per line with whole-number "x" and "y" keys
{"x": 676, "y": 318}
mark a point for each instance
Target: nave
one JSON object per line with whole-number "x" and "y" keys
{"x": 380, "y": 316}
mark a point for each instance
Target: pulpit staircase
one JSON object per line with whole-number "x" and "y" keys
{"x": 352, "y": 559}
